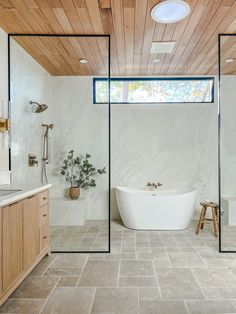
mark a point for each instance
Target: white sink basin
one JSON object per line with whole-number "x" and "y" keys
{"x": 8, "y": 191}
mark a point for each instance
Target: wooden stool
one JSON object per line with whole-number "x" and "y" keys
{"x": 214, "y": 209}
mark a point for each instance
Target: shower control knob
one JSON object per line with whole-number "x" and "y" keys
{"x": 32, "y": 160}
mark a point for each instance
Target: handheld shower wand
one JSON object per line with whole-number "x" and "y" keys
{"x": 45, "y": 152}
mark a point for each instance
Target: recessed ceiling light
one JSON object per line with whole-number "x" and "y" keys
{"x": 83, "y": 60}
{"x": 170, "y": 11}
{"x": 229, "y": 60}
{"x": 156, "y": 60}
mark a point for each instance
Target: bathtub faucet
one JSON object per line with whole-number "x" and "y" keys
{"x": 153, "y": 185}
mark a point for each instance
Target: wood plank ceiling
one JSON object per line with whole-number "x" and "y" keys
{"x": 132, "y": 32}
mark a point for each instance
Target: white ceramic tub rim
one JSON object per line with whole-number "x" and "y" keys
{"x": 160, "y": 191}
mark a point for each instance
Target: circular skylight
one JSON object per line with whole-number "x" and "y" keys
{"x": 170, "y": 11}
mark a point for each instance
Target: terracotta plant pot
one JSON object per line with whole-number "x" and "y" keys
{"x": 74, "y": 193}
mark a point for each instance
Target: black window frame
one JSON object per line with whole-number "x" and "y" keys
{"x": 95, "y": 79}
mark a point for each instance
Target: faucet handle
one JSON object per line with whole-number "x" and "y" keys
{"x": 32, "y": 160}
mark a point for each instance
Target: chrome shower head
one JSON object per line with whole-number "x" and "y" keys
{"x": 39, "y": 107}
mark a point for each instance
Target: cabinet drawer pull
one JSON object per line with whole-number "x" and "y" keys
{"x": 44, "y": 198}
{"x": 44, "y": 237}
{"x": 44, "y": 215}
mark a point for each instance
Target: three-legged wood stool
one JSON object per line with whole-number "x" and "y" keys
{"x": 214, "y": 209}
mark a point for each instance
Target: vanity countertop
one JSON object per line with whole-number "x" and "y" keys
{"x": 25, "y": 190}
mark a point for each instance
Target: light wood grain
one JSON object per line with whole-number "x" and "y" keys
{"x": 42, "y": 198}
{"x": 12, "y": 244}
{"x": 132, "y": 31}
{"x": 30, "y": 231}
{"x": 24, "y": 240}
{"x": 43, "y": 237}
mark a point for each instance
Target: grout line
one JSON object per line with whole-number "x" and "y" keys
{"x": 91, "y": 306}
{"x": 186, "y": 305}
{"x": 197, "y": 281}
{"x": 85, "y": 263}
{"x": 138, "y": 299}
{"x": 154, "y": 268}
{"x": 46, "y": 299}
{"x": 118, "y": 277}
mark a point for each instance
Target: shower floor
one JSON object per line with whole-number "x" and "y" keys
{"x": 92, "y": 236}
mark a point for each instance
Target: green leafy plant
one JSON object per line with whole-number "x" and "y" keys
{"x": 79, "y": 171}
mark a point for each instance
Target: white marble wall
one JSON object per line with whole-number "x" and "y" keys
{"x": 4, "y": 137}
{"x": 174, "y": 144}
{"x": 29, "y": 81}
{"x": 228, "y": 136}
{"x": 171, "y": 143}
{"x": 83, "y": 127}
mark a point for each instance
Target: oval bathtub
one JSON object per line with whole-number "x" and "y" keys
{"x": 156, "y": 210}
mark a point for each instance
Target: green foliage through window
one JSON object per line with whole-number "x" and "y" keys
{"x": 160, "y": 90}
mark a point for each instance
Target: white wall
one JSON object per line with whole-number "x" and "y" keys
{"x": 171, "y": 143}
{"x": 174, "y": 144}
{"x": 4, "y": 137}
{"x": 83, "y": 127}
{"x": 29, "y": 81}
{"x": 228, "y": 136}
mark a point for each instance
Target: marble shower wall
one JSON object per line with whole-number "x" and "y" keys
{"x": 29, "y": 81}
{"x": 4, "y": 137}
{"x": 83, "y": 127}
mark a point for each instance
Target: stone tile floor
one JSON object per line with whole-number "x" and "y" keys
{"x": 90, "y": 237}
{"x": 147, "y": 272}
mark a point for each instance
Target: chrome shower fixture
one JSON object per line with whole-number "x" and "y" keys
{"x": 45, "y": 152}
{"x": 39, "y": 107}
{"x": 47, "y": 126}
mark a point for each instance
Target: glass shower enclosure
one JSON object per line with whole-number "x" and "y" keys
{"x": 227, "y": 147}
{"x": 55, "y": 73}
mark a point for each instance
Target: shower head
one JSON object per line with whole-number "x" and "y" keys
{"x": 39, "y": 107}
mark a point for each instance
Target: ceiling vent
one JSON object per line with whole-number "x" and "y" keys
{"x": 162, "y": 47}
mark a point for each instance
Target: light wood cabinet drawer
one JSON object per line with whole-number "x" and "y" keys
{"x": 43, "y": 198}
{"x": 43, "y": 237}
{"x": 43, "y": 215}
{"x": 11, "y": 244}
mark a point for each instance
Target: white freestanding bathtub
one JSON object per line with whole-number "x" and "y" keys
{"x": 156, "y": 210}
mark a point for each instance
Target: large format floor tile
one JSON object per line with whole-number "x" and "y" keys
{"x": 70, "y": 300}
{"x": 35, "y": 288}
{"x": 22, "y": 306}
{"x": 98, "y": 273}
{"x": 210, "y": 307}
{"x": 153, "y": 272}
{"x": 214, "y": 277}
{"x": 185, "y": 259}
{"x": 163, "y": 307}
{"x": 115, "y": 301}
{"x": 178, "y": 283}
{"x": 136, "y": 268}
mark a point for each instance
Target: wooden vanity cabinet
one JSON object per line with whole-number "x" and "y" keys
{"x": 24, "y": 240}
{"x": 43, "y": 220}
{"x": 11, "y": 244}
{"x": 30, "y": 230}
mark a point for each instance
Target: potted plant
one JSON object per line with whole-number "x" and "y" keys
{"x": 80, "y": 173}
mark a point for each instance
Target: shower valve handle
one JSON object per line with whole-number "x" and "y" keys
{"x": 32, "y": 160}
